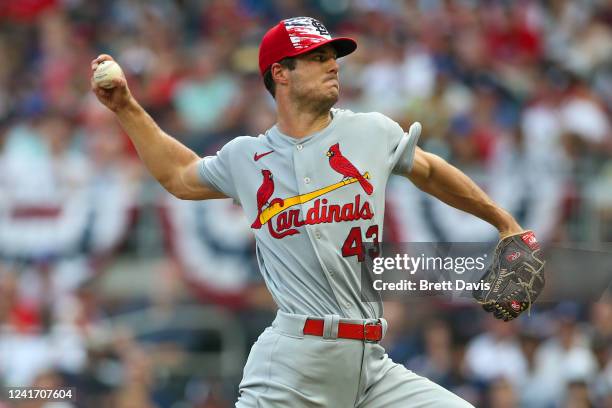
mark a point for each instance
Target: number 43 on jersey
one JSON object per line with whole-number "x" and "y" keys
{"x": 354, "y": 243}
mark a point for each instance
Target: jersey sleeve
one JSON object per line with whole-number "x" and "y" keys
{"x": 401, "y": 147}
{"x": 216, "y": 171}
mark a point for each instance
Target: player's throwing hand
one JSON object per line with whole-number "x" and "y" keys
{"x": 115, "y": 97}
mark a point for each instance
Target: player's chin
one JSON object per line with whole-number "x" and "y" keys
{"x": 331, "y": 94}
{"x": 334, "y": 87}
{"x": 329, "y": 101}
{"x": 324, "y": 98}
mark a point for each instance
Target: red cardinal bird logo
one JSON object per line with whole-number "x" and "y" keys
{"x": 264, "y": 193}
{"x": 343, "y": 166}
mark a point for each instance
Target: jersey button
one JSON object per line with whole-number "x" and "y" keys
{"x": 307, "y": 180}
{"x": 299, "y": 147}
{"x": 348, "y": 305}
{"x": 317, "y": 234}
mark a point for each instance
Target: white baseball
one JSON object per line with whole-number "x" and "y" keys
{"x": 106, "y": 72}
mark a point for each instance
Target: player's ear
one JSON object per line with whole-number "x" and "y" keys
{"x": 279, "y": 73}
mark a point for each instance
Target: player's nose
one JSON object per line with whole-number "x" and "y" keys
{"x": 333, "y": 66}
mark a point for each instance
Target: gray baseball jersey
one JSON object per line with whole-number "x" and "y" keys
{"x": 313, "y": 202}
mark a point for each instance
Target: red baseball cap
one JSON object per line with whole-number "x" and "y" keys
{"x": 295, "y": 36}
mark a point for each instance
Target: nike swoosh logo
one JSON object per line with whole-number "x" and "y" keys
{"x": 259, "y": 156}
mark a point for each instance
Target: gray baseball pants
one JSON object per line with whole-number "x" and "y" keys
{"x": 289, "y": 369}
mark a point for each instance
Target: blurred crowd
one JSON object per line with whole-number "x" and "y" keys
{"x": 99, "y": 266}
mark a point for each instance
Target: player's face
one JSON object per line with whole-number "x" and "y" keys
{"x": 315, "y": 78}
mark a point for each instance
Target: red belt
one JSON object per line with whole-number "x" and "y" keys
{"x": 369, "y": 332}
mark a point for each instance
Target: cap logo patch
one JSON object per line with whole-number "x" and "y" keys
{"x": 305, "y": 31}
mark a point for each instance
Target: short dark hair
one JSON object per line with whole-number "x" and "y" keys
{"x": 288, "y": 62}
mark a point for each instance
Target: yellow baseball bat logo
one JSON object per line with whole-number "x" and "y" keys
{"x": 276, "y": 208}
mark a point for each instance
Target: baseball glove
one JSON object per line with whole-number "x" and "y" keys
{"x": 515, "y": 278}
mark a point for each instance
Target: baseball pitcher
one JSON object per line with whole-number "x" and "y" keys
{"x": 313, "y": 189}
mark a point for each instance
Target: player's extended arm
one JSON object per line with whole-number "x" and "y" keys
{"x": 169, "y": 161}
{"x": 435, "y": 176}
